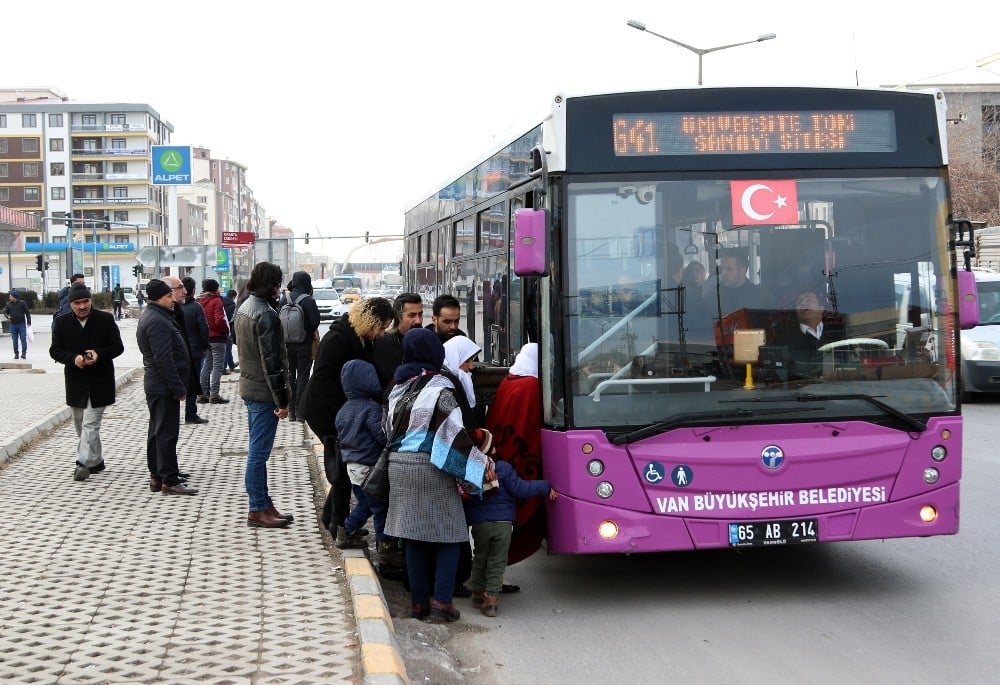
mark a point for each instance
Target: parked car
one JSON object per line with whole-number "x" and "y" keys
{"x": 981, "y": 345}
{"x": 329, "y": 303}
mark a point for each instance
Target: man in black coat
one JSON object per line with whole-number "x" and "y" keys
{"x": 300, "y": 359}
{"x": 86, "y": 343}
{"x": 191, "y": 315}
{"x": 166, "y": 363}
{"x": 815, "y": 328}
{"x": 229, "y": 305}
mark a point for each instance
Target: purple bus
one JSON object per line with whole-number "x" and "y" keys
{"x": 743, "y": 299}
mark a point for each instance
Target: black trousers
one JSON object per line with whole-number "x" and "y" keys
{"x": 338, "y": 501}
{"x": 299, "y": 366}
{"x": 161, "y": 439}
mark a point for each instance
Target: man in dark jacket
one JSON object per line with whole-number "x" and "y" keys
{"x": 388, "y": 354}
{"x": 64, "y": 294}
{"x": 86, "y": 343}
{"x": 166, "y": 362}
{"x": 229, "y": 305}
{"x": 195, "y": 327}
{"x": 263, "y": 386}
{"x": 446, "y": 311}
{"x": 300, "y": 353}
{"x": 17, "y": 313}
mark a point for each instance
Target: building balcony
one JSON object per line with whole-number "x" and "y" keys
{"x": 112, "y": 152}
{"x": 112, "y": 128}
{"x": 93, "y": 201}
{"x": 110, "y": 177}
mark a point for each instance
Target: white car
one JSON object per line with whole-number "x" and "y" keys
{"x": 329, "y": 304}
{"x": 981, "y": 345}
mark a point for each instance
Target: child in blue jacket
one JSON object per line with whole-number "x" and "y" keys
{"x": 492, "y": 521}
{"x": 361, "y": 438}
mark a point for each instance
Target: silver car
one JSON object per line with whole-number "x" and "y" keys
{"x": 329, "y": 304}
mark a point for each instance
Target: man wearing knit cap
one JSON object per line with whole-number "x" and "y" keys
{"x": 166, "y": 363}
{"x": 85, "y": 342}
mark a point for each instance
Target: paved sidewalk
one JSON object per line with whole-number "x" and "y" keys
{"x": 106, "y": 582}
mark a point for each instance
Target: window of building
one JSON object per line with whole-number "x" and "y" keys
{"x": 121, "y": 238}
{"x": 55, "y": 120}
{"x": 57, "y": 169}
{"x": 57, "y": 238}
{"x": 120, "y": 216}
{"x": 31, "y": 195}
{"x": 57, "y": 144}
{"x": 119, "y": 167}
{"x": 120, "y": 191}
{"x": 117, "y": 119}
{"x": 3, "y": 145}
{"x": 88, "y": 119}
{"x": 4, "y": 194}
{"x": 92, "y": 193}
{"x": 203, "y": 199}
{"x": 30, "y": 169}
{"x": 58, "y": 193}
{"x": 3, "y": 170}
{"x": 29, "y": 239}
{"x": 29, "y": 144}
{"x": 29, "y": 120}
{"x": 117, "y": 143}
{"x": 3, "y": 121}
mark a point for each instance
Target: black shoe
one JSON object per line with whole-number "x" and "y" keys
{"x": 183, "y": 476}
{"x": 81, "y": 473}
{"x": 196, "y": 419}
{"x": 179, "y": 489}
{"x": 217, "y": 399}
{"x": 202, "y": 399}
{"x": 97, "y": 469}
{"x": 508, "y": 589}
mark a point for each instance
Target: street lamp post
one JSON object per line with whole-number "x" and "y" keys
{"x": 701, "y": 52}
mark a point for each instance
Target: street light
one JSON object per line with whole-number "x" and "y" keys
{"x": 701, "y": 52}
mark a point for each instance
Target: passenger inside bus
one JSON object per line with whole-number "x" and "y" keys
{"x": 735, "y": 290}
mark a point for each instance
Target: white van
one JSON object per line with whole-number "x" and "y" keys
{"x": 981, "y": 345}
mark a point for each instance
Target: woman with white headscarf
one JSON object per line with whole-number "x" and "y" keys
{"x": 515, "y": 421}
{"x": 459, "y": 355}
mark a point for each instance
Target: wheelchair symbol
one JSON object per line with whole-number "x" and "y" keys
{"x": 654, "y": 472}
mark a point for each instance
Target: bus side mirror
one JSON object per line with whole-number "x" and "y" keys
{"x": 968, "y": 300}
{"x": 529, "y": 242}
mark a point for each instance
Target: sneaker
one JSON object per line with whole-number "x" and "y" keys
{"x": 218, "y": 399}
{"x": 81, "y": 473}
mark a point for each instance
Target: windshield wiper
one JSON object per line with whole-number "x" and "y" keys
{"x": 695, "y": 416}
{"x": 907, "y": 420}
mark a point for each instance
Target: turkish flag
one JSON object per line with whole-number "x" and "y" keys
{"x": 764, "y": 202}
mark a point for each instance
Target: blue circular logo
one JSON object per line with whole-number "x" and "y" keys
{"x": 682, "y": 475}
{"x": 654, "y": 472}
{"x": 772, "y": 457}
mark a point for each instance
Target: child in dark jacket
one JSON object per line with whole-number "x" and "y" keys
{"x": 359, "y": 429}
{"x": 492, "y": 521}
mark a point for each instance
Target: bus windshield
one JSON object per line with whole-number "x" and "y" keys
{"x": 671, "y": 309}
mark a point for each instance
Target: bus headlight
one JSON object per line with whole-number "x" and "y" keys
{"x": 608, "y": 530}
{"x": 928, "y": 513}
{"x": 931, "y": 475}
{"x": 605, "y": 489}
{"x": 595, "y": 467}
{"x": 939, "y": 453}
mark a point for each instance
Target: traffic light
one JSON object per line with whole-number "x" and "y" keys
{"x": 136, "y": 270}
{"x": 39, "y": 266}
{"x": 366, "y": 236}
{"x": 307, "y": 238}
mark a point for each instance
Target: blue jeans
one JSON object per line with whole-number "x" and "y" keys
{"x": 362, "y": 510}
{"x": 19, "y": 331}
{"x": 263, "y": 425}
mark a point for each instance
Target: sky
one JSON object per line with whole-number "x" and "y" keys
{"x": 348, "y": 113}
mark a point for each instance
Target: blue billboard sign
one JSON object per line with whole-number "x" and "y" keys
{"x": 171, "y": 165}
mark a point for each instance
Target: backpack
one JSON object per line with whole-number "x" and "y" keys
{"x": 293, "y": 320}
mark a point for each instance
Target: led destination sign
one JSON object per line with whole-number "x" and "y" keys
{"x": 726, "y": 133}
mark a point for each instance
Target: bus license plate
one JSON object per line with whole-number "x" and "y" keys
{"x": 764, "y": 533}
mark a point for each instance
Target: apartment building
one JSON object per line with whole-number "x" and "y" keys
{"x": 85, "y": 168}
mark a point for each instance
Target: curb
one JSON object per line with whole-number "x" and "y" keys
{"x": 380, "y": 655}
{"x": 54, "y": 420}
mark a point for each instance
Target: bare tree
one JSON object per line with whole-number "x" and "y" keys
{"x": 974, "y": 154}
